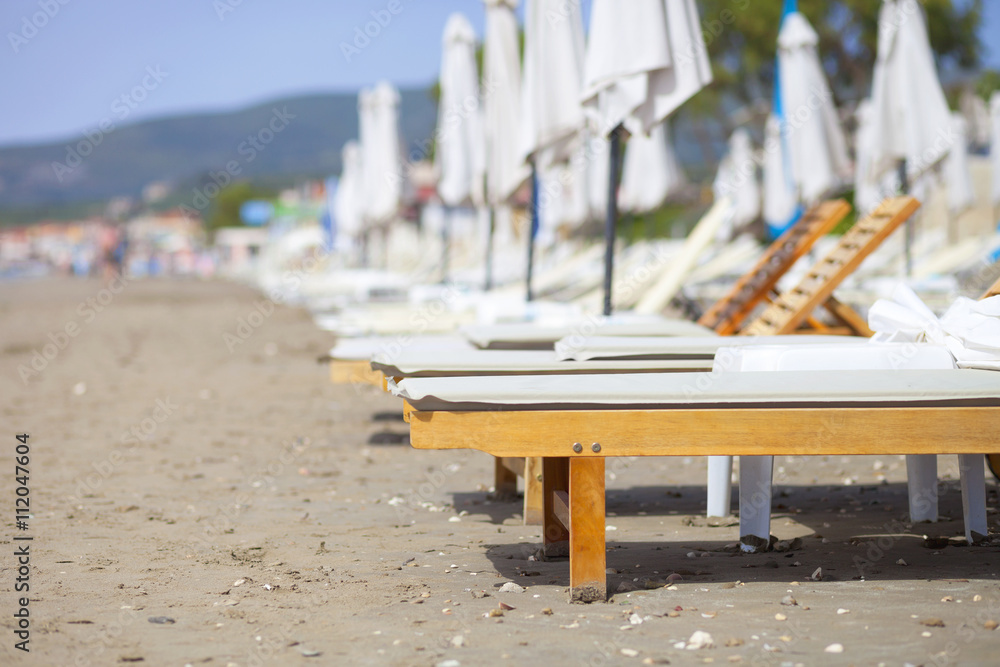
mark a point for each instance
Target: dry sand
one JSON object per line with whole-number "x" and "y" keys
{"x": 279, "y": 519}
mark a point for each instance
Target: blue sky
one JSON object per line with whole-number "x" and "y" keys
{"x": 59, "y": 79}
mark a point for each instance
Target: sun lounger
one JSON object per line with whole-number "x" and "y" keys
{"x": 794, "y": 308}
{"x": 575, "y": 422}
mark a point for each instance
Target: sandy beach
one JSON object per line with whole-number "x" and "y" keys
{"x": 203, "y": 497}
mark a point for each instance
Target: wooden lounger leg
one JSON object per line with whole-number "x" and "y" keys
{"x": 555, "y": 498}
{"x": 921, "y": 481}
{"x": 755, "y": 503}
{"x": 504, "y": 480}
{"x": 588, "y": 579}
{"x": 533, "y": 491}
{"x": 973, "y": 474}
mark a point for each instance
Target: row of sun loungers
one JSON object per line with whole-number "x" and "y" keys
{"x": 551, "y": 403}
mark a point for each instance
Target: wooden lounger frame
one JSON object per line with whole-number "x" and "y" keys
{"x": 573, "y": 445}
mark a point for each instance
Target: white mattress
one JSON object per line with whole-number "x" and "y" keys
{"x": 440, "y": 361}
{"x": 535, "y": 335}
{"x": 363, "y": 349}
{"x": 584, "y": 348}
{"x": 686, "y": 390}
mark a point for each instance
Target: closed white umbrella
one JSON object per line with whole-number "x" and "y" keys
{"x": 460, "y": 153}
{"x": 551, "y": 116}
{"x": 781, "y": 205}
{"x": 650, "y": 172}
{"x": 460, "y": 150}
{"x": 505, "y": 168}
{"x": 817, "y": 150}
{"x": 737, "y": 179}
{"x": 995, "y": 145}
{"x": 911, "y": 115}
{"x": 977, "y": 115}
{"x": 380, "y": 153}
{"x": 957, "y": 176}
{"x": 867, "y": 191}
{"x": 347, "y": 201}
{"x": 644, "y": 59}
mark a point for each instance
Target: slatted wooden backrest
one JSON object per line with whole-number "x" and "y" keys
{"x": 728, "y": 313}
{"x": 788, "y": 312}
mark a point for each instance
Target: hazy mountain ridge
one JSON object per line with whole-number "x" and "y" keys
{"x": 180, "y": 149}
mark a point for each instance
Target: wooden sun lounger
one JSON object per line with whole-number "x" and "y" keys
{"x": 794, "y": 308}
{"x": 573, "y": 424}
{"x": 728, "y": 313}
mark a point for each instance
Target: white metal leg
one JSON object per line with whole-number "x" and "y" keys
{"x": 720, "y": 485}
{"x": 973, "y": 473}
{"x": 921, "y": 481}
{"x": 755, "y": 502}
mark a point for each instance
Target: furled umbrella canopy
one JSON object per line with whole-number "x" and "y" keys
{"x": 505, "y": 170}
{"x": 380, "y": 153}
{"x": 347, "y": 201}
{"x": 781, "y": 207}
{"x": 867, "y": 191}
{"x": 460, "y": 152}
{"x": 551, "y": 115}
{"x": 816, "y": 147}
{"x": 644, "y": 59}
{"x": 737, "y": 179}
{"x": 911, "y": 116}
{"x": 957, "y": 176}
{"x": 650, "y": 171}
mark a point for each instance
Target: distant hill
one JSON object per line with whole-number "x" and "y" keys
{"x": 183, "y": 149}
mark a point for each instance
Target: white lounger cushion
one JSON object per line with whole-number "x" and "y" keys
{"x": 684, "y": 390}
{"x": 445, "y": 361}
{"x": 834, "y": 357}
{"x": 547, "y": 334}
{"x": 363, "y": 349}
{"x": 583, "y": 348}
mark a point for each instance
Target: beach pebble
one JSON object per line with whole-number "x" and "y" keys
{"x": 449, "y": 663}
{"x": 511, "y": 587}
{"x": 161, "y": 620}
{"x": 626, "y": 587}
{"x": 309, "y": 653}
{"x": 700, "y": 639}
{"x": 788, "y": 601}
{"x": 674, "y": 578}
{"x": 80, "y": 388}
{"x": 493, "y": 613}
{"x": 780, "y": 617}
{"x": 900, "y": 562}
{"x": 841, "y": 612}
{"x": 454, "y": 519}
{"x": 834, "y": 648}
{"x": 458, "y": 641}
{"x": 629, "y": 652}
{"x": 547, "y": 611}
{"x": 991, "y": 624}
{"x": 932, "y": 622}
{"x": 635, "y": 619}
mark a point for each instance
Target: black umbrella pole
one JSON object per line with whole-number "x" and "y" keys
{"x": 612, "y": 216}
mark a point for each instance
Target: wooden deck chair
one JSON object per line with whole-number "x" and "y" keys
{"x": 728, "y": 313}
{"x": 794, "y": 308}
{"x": 574, "y": 423}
